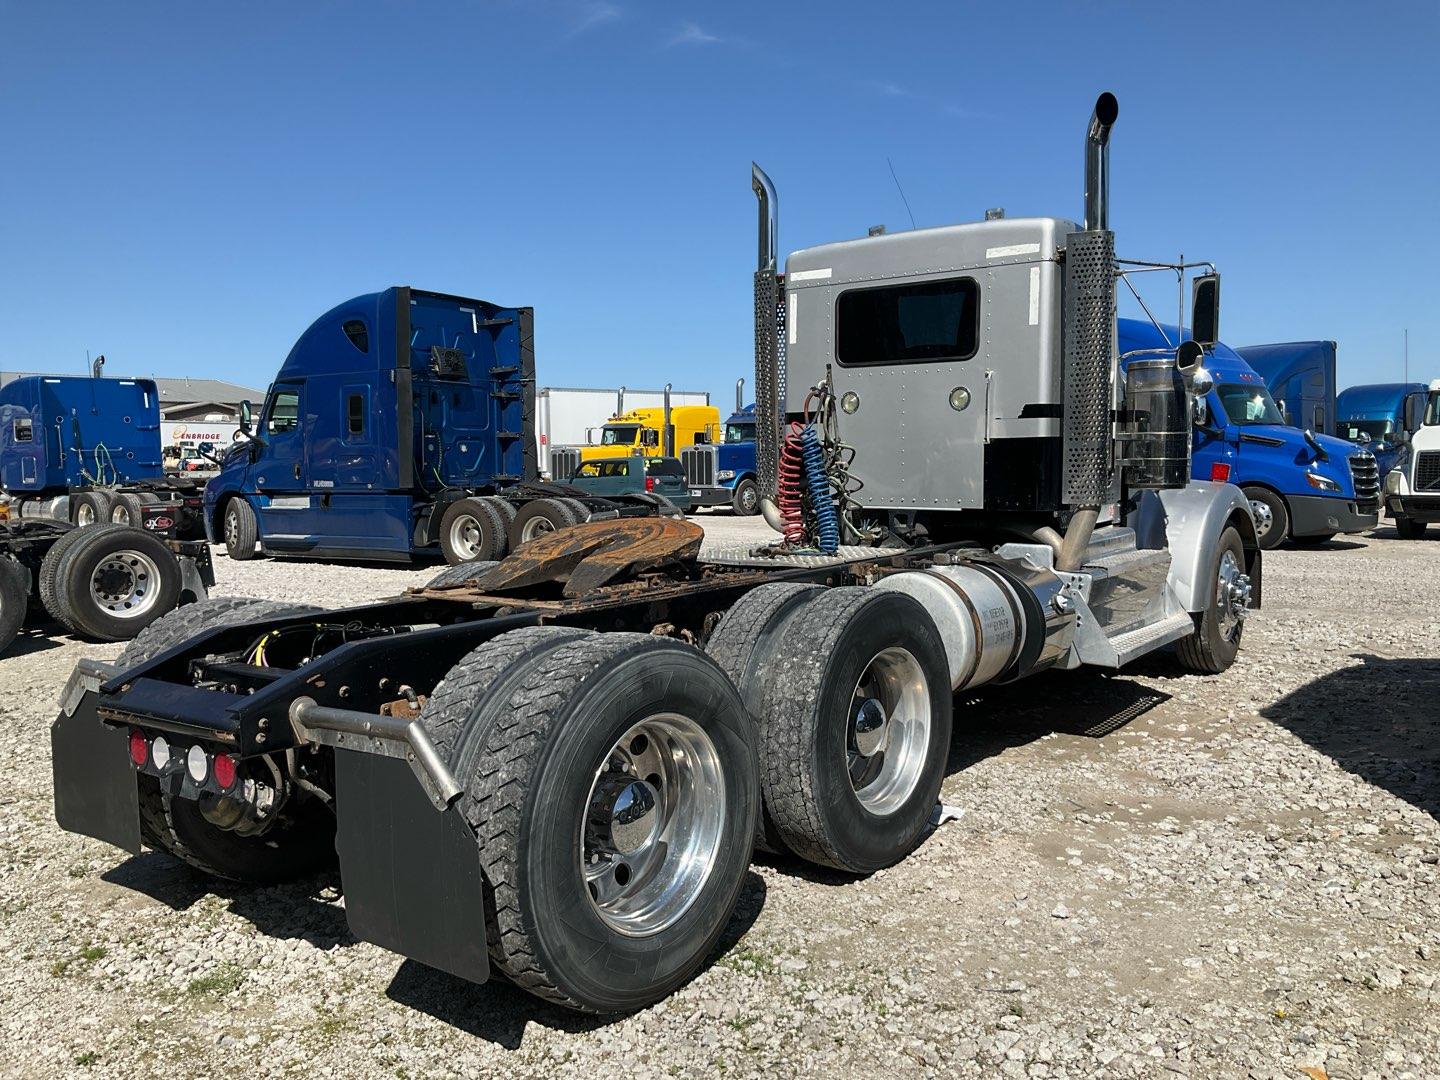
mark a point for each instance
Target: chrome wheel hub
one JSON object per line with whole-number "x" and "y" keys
{"x": 653, "y": 824}
{"x": 232, "y": 527}
{"x": 1232, "y": 595}
{"x": 537, "y": 526}
{"x": 125, "y": 584}
{"x": 889, "y": 731}
{"x": 465, "y": 536}
{"x": 85, "y": 514}
{"x": 1264, "y": 518}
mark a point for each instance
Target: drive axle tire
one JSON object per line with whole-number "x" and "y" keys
{"x": 242, "y": 531}
{"x": 90, "y": 508}
{"x": 50, "y": 596}
{"x": 745, "y": 501}
{"x": 742, "y": 645}
{"x": 538, "y": 517}
{"x": 471, "y": 530}
{"x": 613, "y": 797}
{"x": 460, "y": 574}
{"x": 1272, "y": 518}
{"x": 855, "y": 728}
{"x": 113, "y": 582}
{"x": 14, "y": 601}
{"x": 1410, "y": 529}
{"x": 1216, "y": 641}
{"x": 126, "y": 509}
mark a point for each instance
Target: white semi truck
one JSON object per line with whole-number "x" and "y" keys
{"x": 1412, "y": 488}
{"x": 556, "y": 767}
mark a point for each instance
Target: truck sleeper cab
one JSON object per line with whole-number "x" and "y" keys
{"x": 1301, "y": 486}
{"x": 724, "y": 473}
{"x": 557, "y": 767}
{"x": 1412, "y": 488}
{"x": 1374, "y": 417}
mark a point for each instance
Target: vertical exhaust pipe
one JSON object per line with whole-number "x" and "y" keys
{"x": 739, "y": 394}
{"x": 620, "y": 402}
{"x": 668, "y": 438}
{"x": 1089, "y": 337}
{"x": 97, "y": 369}
{"x": 769, "y": 377}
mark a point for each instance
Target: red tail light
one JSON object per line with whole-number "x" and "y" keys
{"x": 1220, "y": 472}
{"x": 139, "y": 747}
{"x": 649, "y": 483}
{"x": 224, "y": 769}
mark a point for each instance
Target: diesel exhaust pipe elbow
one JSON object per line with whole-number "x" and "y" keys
{"x": 1097, "y": 162}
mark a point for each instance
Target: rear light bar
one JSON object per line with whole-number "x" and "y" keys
{"x": 205, "y": 771}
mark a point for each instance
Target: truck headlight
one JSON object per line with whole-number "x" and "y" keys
{"x": 1321, "y": 483}
{"x": 1393, "y": 479}
{"x": 725, "y": 474}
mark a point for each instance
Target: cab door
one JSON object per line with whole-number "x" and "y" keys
{"x": 281, "y": 474}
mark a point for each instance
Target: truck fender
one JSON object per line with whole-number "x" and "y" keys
{"x": 1189, "y": 522}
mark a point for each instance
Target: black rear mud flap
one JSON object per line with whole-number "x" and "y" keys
{"x": 96, "y": 792}
{"x": 411, "y": 873}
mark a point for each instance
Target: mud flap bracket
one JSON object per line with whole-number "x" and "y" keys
{"x": 411, "y": 873}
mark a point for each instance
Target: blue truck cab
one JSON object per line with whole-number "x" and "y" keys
{"x": 1302, "y": 486}
{"x": 725, "y": 473}
{"x": 1373, "y": 416}
{"x": 389, "y": 408}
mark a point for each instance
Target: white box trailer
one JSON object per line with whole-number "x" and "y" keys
{"x": 570, "y": 415}
{"x": 219, "y": 433}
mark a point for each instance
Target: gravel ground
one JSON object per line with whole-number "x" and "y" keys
{"x": 1155, "y": 875}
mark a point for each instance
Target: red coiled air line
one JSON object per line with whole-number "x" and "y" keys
{"x": 791, "y": 485}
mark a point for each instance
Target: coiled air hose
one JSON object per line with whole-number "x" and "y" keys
{"x": 791, "y": 488}
{"x": 817, "y": 483}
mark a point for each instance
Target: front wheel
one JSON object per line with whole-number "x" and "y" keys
{"x": 746, "y": 500}
{"x": 1272, "y": 519}
{"x": 242, "y": 531}
{"x": 1216, "y": 641}
{"x": 1409, "y": 528}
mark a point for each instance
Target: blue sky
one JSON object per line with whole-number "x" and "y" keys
{"x": 186, "y": 186}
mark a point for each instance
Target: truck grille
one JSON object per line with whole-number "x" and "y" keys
{"x": 1366, "y": 476}
{"x": 699, "y": 462}
{"x": 1427, "y": 470}
{"x": 564, "y": 460}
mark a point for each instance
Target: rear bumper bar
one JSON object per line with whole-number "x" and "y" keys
{"x": 710, "y": 496}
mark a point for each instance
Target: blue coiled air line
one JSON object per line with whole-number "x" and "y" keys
{"x": 827, "y": 527}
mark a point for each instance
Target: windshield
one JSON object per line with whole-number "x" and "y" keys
{"x": 618, "y": 436}
{"x": 1360, "y": 429}
{"x": 1248, "y": 404}
{"x": 1432, "y": 410}
{"x": 739, "y": 433}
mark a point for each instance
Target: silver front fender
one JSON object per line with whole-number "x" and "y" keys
{"x": 1189, "y": 522}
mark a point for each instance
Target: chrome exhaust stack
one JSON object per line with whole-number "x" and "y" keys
{"x": 1089, "y": 346}
{"x": 739, "y": 395}
{"x": 769, "y": 348}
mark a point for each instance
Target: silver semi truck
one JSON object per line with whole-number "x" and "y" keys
{"x": 557, "y": 767}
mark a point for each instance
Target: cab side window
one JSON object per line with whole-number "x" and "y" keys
{"x": 283, "y": 415}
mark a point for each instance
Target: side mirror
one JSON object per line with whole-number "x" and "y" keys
{"x": 245, "y": 421}
{"x": 1401, "y": 438}
{"x": 702, "y": 438}
{"x": 1285, "y": 413}
{"x": 1414, "y": 410}
{"x": 1202, "y": 411}
{"x": 1205, "y": 309}
{"x": 649, "y": 437}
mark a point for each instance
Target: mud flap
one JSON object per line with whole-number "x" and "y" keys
{"x": 411, "y": 873}
{"x": 96, "y": 793}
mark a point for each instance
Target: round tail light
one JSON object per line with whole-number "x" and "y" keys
{"x": 224, "y": 771}
{"x": 197, "y": 764}
{"x": 160, "y": 752}
{"x": 139, "y": 747}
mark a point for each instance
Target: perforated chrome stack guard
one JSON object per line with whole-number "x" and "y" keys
{"x": 1089, "y": 356}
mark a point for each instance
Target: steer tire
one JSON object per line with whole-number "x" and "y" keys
{"x": 1279, "y": 528}
{"x": 14, "y": 600}
{"x": 138, "y": 563}
{"x": 94, "y": 504}
{"x": 742, "y": 645}
{"x": 745, "y": 501}
{"x": 829, "y": 649}
{"x": 126, "y": 509}
{"x": 241, "y": 530}
{"x": 51, "y": 598}
{"x": 1410, "y": 529}
{"x": 460, "y": 574}
{"x": 464, "y": 514}
{"x": 176, "y": 826}
{"x": 529, "y": 798}
{"x": 540, "y": 516}
{"x": 1209, "y": 651}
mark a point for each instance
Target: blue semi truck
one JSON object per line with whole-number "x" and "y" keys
{"x": 1301, "y": 379}
{"x": 1302, "y": 485}
{"x": 87, "y": 450}
{"x": 1373, "y": 416}
{"x": 400, "y": 421}
{"x": 724, "y": 474}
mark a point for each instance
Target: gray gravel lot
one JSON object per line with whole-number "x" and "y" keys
{"x": 1156, "y": 875}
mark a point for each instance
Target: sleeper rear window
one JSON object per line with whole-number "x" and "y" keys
{"x": 918, "y": 322}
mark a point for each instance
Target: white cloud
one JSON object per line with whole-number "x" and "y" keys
{"x": 692, "y": 34}
{"x": 588, "y": 16}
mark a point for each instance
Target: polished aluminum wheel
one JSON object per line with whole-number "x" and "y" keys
{"x": 85, "y": 514}
{"x": 126, "y": 584}
{"x": 1264, "y": 516}
{"x": 536, "y": 526}
{"x": 1232, "y": 595}
{"x": 120, "y": 514}
{"x": 889, "y": 732}
{"x": 232, "y": 527}
{"x": 653, "y": 824}
{"x": 465, "y": 536}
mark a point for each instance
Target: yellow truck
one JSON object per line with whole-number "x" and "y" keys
{"x": 651, "y": 433}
